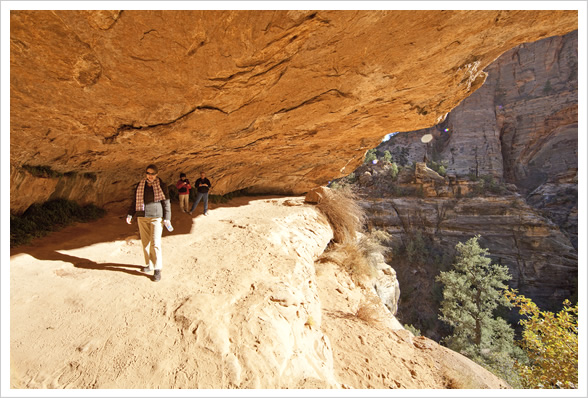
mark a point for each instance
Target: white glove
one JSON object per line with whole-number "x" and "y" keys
{"x": 129, "y": 218}
{"x": 168, "y": 225}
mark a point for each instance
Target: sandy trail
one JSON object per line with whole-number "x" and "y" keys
{"x": 84, "y": 316}
{"x": 241, "y": 304}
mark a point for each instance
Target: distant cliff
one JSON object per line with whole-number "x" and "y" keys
{"x": 510, "y": 160}
{"x": 521, "y": 126}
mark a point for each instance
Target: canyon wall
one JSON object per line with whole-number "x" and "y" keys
{"x": 540, "y": 258}
{"x": 270, "y": 101}
{"x": 521, "y": 127}
{"x": 511, "y": 156}
{"x": 522, "y": 124}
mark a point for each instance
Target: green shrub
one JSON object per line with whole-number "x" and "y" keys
{"x": 413, "y": 330}
{"x": 387, "y": 156}
{"x": 40, "y": 219}
{"x": 343, "y": 182}
{"x": 351, "y": 178}
{"x": 335, "y": 185}
{"x": 416, "y": 247}
{"x": 489, "y": 184}
{"x": 173, "y": 193}
{"x": 370, "y": 156}
{"x": 393, "y": 170}
{"x": 439, "y": 167}
{"x": 473, "y": 291}
{"x": 219, "y": 198}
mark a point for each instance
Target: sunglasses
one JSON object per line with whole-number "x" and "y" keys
{"x": 150, "y": 174}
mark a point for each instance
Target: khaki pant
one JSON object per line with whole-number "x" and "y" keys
{"x": 150, "y": 229}
{"x": 185, "y": 203}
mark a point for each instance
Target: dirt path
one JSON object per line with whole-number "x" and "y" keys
{"x": 241, "y": 304}
{"x": 84, "y": 316}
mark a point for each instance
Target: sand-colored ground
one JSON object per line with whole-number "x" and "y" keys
{"x": 241, "y": 304}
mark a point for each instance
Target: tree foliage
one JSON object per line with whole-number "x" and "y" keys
{"x": 393, "y": 169}
{"x": 370, "y": 156}
{"x": 550, "y": 341}
{"x": 472, "y": 292}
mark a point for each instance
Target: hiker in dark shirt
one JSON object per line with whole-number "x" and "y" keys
{"x": 202, "y": 187}
{"x": 151, "y": 205}
{"x": 184, "y": 187}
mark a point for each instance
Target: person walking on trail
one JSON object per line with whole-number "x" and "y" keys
{"x": 184, "y": 187}
{"x": 152, "y": 207}
{"x": 202, "y": 187}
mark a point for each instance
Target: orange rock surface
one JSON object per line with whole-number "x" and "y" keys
{"x": 272, "y": 101}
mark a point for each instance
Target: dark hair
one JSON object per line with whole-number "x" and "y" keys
{"x": 182, "y": 175}
{"x": 152, "y": 167}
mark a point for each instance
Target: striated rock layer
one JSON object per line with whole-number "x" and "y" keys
{"x": 274, "y": 101}
{"x": 522, "y": 124}
{"x": 541, "y": 259}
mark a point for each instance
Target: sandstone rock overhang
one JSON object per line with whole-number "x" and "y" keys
{"x": 272, "y": 101}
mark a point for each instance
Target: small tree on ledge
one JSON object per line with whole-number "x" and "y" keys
{"x": 472, "y": 292}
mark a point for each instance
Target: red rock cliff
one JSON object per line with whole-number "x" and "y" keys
{"x": 274, "y": 101}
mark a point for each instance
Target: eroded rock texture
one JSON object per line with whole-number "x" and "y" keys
{"x": 274, "y": 101}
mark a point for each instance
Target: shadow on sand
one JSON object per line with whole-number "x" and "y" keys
{"x": 113, "y": 227}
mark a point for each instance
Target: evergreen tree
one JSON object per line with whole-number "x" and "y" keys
{"x": 472, "y": 291}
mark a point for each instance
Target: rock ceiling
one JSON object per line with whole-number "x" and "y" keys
{"x": 273, "y": 101}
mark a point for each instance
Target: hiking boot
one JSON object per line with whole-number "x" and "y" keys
{"x": 157, "y": 275}
{"x": 146, "y": 269}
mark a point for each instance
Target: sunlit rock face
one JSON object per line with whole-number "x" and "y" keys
{"x": 521, "y": 127}
{"x": 272, "y": 101}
